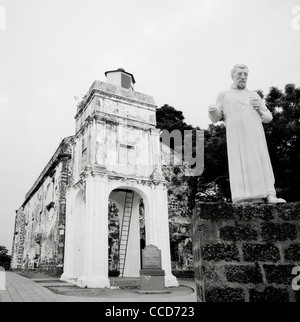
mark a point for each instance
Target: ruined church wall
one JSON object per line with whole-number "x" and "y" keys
{"x": 40, "y": 221}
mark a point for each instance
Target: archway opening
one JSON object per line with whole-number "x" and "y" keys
{"x": 113, "y": 238}
{"x": 126, "y": 226}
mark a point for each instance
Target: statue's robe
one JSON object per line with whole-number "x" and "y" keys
{"x": 250, "y": 170}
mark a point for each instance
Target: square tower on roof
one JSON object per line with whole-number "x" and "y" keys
{"x": 120, "y": 77}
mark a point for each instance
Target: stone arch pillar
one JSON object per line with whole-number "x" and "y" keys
{"x": 79, "y": 238}
{"x": 95, "y": 271}
{"x": 76, "y": 200}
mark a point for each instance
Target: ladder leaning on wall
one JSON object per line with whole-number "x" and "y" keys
{"x": 124, "y": 234}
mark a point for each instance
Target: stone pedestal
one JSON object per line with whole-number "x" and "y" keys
{"x": 152, "y": 276}
{"x": 247, "y": 252}
{"x": 152, "y": 281}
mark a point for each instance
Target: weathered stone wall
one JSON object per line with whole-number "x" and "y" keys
{"x": 111, "y": 123}
{"x": 246, "y": 253}
{"x": 18, "y": 239}
{"x": 179, "y": 212}
{"x": 40, "y": 221}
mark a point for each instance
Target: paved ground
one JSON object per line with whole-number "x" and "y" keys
{"x": 23, "y": 289}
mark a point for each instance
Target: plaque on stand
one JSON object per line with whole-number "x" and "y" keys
{"x": 152, "y": 275}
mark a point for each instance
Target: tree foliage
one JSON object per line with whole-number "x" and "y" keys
{"x": 213, "y": 185}
{"x": 3, "y": 250}
{"x": 169, "y": 118}
{"x": 283, "y": 138}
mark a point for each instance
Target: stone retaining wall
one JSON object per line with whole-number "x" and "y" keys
{"x": 246, "y": 253}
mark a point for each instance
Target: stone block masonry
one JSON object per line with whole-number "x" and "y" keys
{"x": 246, "y": 252}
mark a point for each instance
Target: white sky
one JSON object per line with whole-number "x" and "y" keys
{"x": 179, "y": 51}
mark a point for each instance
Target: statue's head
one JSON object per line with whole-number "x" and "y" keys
{"x": 239, "y": 74}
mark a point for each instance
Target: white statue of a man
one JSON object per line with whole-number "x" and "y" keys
{"x": 250, "y": 170}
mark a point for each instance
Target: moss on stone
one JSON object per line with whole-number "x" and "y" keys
{"x": 289, "y": 211}
{"x": 254, "y": 211}
{"x": 278, "y": 232}
{"x": 261, "y": 252}
{"x": 215, "y": 211}
{"x": 270, "y": 294}
{"x": 224, "y": 294}
{"x": 243, "y": 274}
{"x": 292, "y": 253}
{"x": 218, "y": 252}
{"x": 279, "y": 274}
{"x": 238, "y": 233}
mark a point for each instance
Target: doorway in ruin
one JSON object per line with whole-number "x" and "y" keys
{"x": 126, "y": 232}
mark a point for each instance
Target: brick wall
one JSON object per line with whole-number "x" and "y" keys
{"x": 246, "y": 253}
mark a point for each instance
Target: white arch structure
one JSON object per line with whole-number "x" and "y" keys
{"x": 90, "y": 230}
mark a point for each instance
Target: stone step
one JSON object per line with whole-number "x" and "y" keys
{"x": 56, "y": 284}
{"x": 125, "y": 281}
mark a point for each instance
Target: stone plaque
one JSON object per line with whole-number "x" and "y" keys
{"x": 151, "y": 258}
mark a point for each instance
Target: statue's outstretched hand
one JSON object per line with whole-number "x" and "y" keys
{"x": 215, "y": 113}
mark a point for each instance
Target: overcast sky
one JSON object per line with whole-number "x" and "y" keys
{"x": 179, "y": 51}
